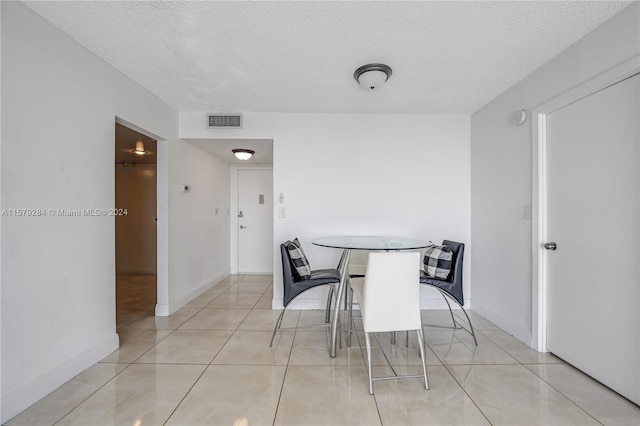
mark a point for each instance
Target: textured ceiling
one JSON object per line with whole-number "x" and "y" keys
{"x": 299, "y": 56}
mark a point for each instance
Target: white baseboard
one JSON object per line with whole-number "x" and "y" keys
{"x": 163, "y": 309}
{"x": 22, "y": 398}
{"x": 522, "y": 335}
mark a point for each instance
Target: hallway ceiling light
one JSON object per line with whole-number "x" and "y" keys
{"x": 242, "y": 154}
{"x": 139, "y": 149}
{"x": 372, "y": 75}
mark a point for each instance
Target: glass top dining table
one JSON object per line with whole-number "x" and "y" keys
{"x": 348, "y": 243}
{"x": 371, "y": 243}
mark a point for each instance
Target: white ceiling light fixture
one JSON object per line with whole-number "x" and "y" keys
{"x": 372, "y": 75}
{"x": 139, "y": 149}
{"x": 243, "y": 154}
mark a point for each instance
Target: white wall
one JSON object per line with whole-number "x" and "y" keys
{"x": 199, "y": 240}
{"x": 364, "y": 174}
{"x": 361, "y": 174}
{"x": 59, "y": 106}
{"x": 501, "y": 161}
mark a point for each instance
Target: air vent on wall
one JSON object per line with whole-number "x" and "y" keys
{"x": 224, "y": 121}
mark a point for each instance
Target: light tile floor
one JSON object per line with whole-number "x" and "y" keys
{"x": 210, "y": 364}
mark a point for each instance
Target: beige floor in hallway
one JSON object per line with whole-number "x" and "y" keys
{"x": 210, "y": 364}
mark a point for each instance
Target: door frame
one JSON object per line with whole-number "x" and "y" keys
{"x": 162, "y": 214}
{"x": 539, "y": 189}
{"x": 234, "y": 254}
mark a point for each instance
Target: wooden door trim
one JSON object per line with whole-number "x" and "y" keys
{"x": 539, "y": 188}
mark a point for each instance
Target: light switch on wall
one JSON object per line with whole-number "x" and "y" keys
{"x": 282, "y": 212}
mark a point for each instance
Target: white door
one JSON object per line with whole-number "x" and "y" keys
{"x": 593, "y": 276}
{"x": 255, "y": 221}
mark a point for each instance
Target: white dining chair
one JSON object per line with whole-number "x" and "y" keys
{"x": 389, "y": 299}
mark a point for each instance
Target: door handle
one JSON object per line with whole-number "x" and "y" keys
{"x": 551, "y": 246}
{"x": 243, "y": 227}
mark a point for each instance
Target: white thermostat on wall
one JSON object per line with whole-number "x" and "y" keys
{"x": 185, "y": 188}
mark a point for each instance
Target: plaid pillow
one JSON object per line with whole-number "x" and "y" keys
{"x": 296, "y": 242}
{"x": 437, "y": 261}
{"x": 299, "y": 261}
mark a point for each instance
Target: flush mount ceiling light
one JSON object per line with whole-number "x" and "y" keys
{"x": 243, "y": 154}
{"x": 139, "y": 149}
{"x": 372, "y": 75}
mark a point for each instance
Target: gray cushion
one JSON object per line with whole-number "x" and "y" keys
{"x": 299, "y": 261}
{"x": 437, "y": 261}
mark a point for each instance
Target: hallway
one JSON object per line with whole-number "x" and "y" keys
{"x": 135, "y": 297}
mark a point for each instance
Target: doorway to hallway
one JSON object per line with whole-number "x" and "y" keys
{"x": 135, "y": 224}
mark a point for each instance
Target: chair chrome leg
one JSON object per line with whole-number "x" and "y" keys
{"x": 350, "y": 310}
{"x": 277, "y": 326}
{"x": 369, "y": 368}
{"x": 340, "y": 319}
{"x": 342, "y": 260}
{"x": 473, "y": 333}
{"x": 327, "y": 312}
{"x": 456, "y": 325}
{"x": 453, "y": 319}
{"x": 423, "y": 357}
{"x": 336, "y": 311}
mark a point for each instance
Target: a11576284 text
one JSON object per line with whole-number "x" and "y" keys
{"x": 24, "y": 212}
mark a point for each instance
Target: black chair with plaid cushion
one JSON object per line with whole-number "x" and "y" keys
{"x": 443, "y": 271}
{"x": 298, "y": 277}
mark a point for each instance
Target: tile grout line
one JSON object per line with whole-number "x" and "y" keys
{"x": 129, "y": 364}
{"x": 457, "y": 382}
{"x": 286, "y": 370}
{"x": 198, "y": 379}
{"x": 375, "y": 399}
{"x": 524, "y": 365}
{"x": 562, "y": 393}
{"x": 116, "y": 375}
{"x": 519, "y": 363}
{"x": 185, "y": 395}
{"x": 121, "y": 371}
{"x": 503, "y": 344}
{"x": 467, "y": 393}
{"x": 205, "y": 368}
{"x": 90, "y": 395}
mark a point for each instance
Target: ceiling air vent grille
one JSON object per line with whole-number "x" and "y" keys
{"x": 224, "y": 121}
